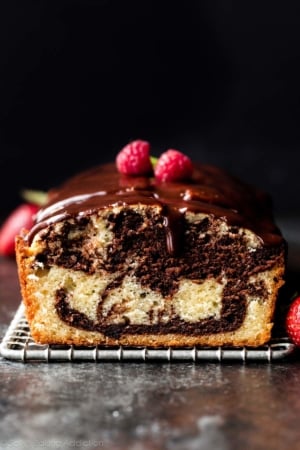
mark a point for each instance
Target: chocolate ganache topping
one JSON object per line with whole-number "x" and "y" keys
{"x": 210, "y": 190}
{"x": 190, "y": 255}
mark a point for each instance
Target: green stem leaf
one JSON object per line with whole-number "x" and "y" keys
{"x": 33, "y": 196}
{"x": 153, "y": 160}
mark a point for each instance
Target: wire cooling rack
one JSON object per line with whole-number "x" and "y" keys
{"x": 18, "y": 345}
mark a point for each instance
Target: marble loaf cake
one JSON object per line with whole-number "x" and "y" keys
{"x": 127, "y": 260}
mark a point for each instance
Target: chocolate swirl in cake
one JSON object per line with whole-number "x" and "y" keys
{"x": 183, "y": 253}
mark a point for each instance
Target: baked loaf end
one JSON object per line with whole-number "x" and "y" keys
{"x": 119, "y": 260}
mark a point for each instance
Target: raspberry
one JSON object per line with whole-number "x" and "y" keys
{"x": 21, "y": 217}
{"x": 173, "y": 165}
{"x": 292, "y": 321}
{"x": 134, "y": 158}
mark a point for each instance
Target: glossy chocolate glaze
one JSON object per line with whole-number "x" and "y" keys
{"x": 210, "y": 190}
{"x": 182, "y": 255}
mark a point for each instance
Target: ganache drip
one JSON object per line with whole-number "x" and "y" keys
{"x": 211, "y": 190}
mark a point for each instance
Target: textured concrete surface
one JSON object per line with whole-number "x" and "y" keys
{"x": 149, "y": 406}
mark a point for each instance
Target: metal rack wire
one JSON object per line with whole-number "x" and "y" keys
{"x": 18, "y": 345}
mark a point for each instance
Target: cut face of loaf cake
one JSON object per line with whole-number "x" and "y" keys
{"x": 116, "y": 259}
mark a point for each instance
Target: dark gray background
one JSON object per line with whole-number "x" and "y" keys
{"x": 220, "y": 80}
